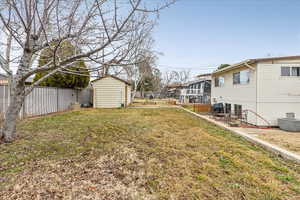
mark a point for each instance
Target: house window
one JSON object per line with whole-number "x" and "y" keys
{"x": 242, "y": 77}
{"x": 197, "y": 88}
{"x": 202, "y": 88}
{"x": 189, "y": 89}
{"x": 285, "y": 71}
{"x": 219, "y": 81}
{"x": 236, "y": 78}
{"x": 227, "y": 108}
{"x": 290, "y": 71}
{"x": 238, "y": 110}
{"x": 295, "y": 71}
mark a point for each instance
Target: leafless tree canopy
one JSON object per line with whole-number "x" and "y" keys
{"x": 106, "y": 33}
{"x": 144, "y": 62}
{"x": 178, "y": 77}
{"x": 174, "y": 77}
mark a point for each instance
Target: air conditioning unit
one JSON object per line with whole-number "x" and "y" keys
{"x": 290, "y": 123}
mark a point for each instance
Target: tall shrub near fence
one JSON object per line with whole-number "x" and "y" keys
{"x": 41, "y": 101}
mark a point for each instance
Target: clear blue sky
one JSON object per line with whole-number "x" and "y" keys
{"x": 201, "y": 34}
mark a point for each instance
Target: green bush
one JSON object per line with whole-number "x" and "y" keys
{"x": 63, "y": 79}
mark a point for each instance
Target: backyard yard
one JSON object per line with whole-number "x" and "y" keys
{"x": 284, "y": 139}
{"x": 136, "y": 153}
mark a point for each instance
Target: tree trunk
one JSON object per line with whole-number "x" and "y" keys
{"x": 133, "y": 95}
{"x": 142, "y": 92}
{"x": 17, "y": 97}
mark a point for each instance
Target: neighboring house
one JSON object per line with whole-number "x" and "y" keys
{"x": 174, "y": 91}
{"x": 3, "y": 79}
{"x": 197, "y": 91}
{"x": 111, "y": 92}
{"x": 265, "y": 88}
{"x": 204, "y": 76}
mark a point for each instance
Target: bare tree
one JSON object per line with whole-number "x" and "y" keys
{"x": 144, "y": 58}
{"x": 169, "y": 77}
{"x": 183, "y": 76}
{"x": 174, "y": 77}
{"x": 91, "y": 25}
{"x": 142, "y": 69}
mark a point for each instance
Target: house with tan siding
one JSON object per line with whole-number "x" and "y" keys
{"x": 111, "y": 92}
{"x": 262, "y": 89}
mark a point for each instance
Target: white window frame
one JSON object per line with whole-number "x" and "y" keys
{"x": 291, "y": 72}
{"x": 240, "y": 82}
{"x": 220, "y": 84}
{"x": 297, "y": 71}
{"x": 286, "y": 68}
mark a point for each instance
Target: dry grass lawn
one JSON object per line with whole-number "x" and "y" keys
{"x": 139, "y": 154}
{"x": 281, "y": 138}
{"x": 138, "y": 102}
{"x": 287, "y": 140}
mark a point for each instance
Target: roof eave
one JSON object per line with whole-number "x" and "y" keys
{"x": 235, "y": 66}
{"x": 251, "y": 61}
{"x": 112, "y": 76}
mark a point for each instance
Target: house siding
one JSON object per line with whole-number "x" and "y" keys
{"x": 268, "y": 94}
{"x": 110, "y": 93}
{"x": 244, "y": 95}
{"x": 277, "y": 95}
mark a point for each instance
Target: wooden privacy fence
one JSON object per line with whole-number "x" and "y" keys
{"x": 41, "y": 101}
{"x": 171, "y": 101}
{"x": 202, "y": 108}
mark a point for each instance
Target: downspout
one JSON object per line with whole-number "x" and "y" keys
{"x": 256, "y": 89}
{"x": 256, "y": 83}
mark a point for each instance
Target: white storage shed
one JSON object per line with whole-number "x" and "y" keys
{"x": 111, "y": 92}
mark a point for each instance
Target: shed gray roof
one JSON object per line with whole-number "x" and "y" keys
{"x": 117, "y": 78}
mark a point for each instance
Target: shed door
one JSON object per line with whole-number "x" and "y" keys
{"x": 108, "y": 98}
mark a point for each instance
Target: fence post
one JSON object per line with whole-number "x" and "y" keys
{"x": 77, "y": 95}
{"x": 57, "y": 100}
{"x": 24, "y": 109}
{"x": 4, "y": 99}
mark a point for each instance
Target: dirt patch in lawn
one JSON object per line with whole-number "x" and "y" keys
{"x": 139, "y": 154}
{"x": 116, "y": 176}
{"x": 289, "y": 141}
{"x": 284, "y": 139}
